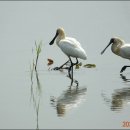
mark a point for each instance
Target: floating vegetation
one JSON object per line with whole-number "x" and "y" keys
{"x": 89, "y": 66}
{"x": 50, "y": 62}
{"x": 86, "y": 65}
{"x": 78, "y": 65}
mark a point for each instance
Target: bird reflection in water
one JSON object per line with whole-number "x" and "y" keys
{"x": 124, "y": 78}
{"x": 35, "y": 93}
{"x": 119, "y": 98}
{"x": 70, "y": 98}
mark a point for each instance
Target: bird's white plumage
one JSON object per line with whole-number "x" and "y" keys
{"x": 120, "y": 48}
{"x": 71, "y": 47}
{"x": 125, "y": 51}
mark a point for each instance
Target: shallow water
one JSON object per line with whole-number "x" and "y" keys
{"x": 44, "y": 99}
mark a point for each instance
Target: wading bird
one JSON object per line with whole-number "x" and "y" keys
{"x": 71, "y": 47}
{"x": 120, "y": 48}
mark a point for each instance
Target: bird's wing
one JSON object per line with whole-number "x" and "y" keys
{"x": 69, "y": 43}
{"x": 125, "y": 51}
{"x": 73, "y": 41}
{"x": 72, "y": 48}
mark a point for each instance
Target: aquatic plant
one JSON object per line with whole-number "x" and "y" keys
{"x": 38, "y": 51}
{"x": 50, "y": 61}
{"x": 89, "y": 66}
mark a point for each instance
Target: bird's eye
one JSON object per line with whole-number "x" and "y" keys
{"x": 112, "y": 40}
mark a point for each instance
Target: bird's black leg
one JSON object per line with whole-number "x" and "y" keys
{"x": 76, "y": 61}
{"x": 123, "y": 68}
{"x": 73, "y": 65}
{"x": 61, "y": 67}
{"x": 124, "y": 78}
{"x": 71, "y": 69}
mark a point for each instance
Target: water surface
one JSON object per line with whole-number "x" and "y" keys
{"x": 45, "y": 100}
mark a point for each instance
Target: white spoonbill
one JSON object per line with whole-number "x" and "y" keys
{"x": 120, "y": 48}
{"x": 70, "y": 46}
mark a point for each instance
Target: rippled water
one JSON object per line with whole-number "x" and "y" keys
{"x": 44, "y": 98}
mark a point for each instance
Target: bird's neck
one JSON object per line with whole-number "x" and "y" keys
{"x": 116, "y": 47}
{"x": 60, "y": 37}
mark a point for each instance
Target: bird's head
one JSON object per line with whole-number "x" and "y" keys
{"x": 59, "y": 33}
{"x": 114, "y": 40}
